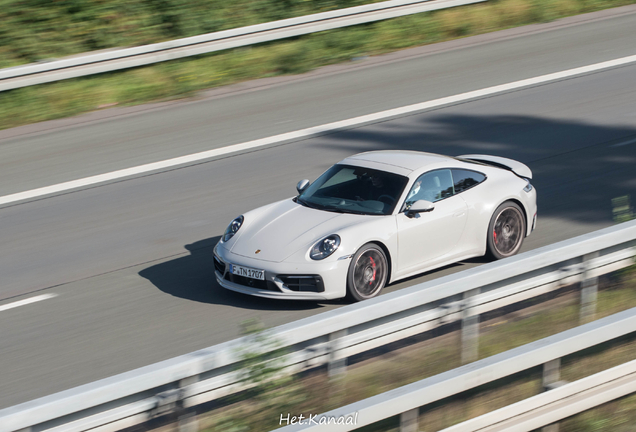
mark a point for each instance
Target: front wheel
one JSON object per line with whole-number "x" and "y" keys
{"x": 506, "y": 231}
{"x": 368, "y": 273}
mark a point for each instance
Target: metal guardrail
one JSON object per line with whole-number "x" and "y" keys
{"x": 88, "y": 64}
{"x": 331, "y": 337}
{"x": 550, "y": 407}
{"x": 526, "y": 415}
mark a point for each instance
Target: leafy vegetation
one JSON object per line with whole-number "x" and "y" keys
{"x": 316, "y": 393}
{"x": 621, "y": 209}
{"x": 36, "y": 30}
{"x": 268, "y": 389}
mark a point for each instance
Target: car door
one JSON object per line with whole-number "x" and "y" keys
{"x": 467, "y": 185}
{"x": 432, "y": 237}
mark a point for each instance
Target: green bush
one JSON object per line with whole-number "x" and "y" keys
{"x": 34, "y": 30}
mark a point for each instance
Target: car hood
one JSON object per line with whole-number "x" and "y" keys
{"x": 280, "y": 229}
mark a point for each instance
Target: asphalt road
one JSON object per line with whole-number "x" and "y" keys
{"x": 130, "y": 262}
{"x": 53, "y": 152}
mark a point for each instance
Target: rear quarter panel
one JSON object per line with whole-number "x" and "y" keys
{"x": 482, "y": 201}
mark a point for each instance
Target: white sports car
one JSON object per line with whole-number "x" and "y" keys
{"x": 375, "y": 218}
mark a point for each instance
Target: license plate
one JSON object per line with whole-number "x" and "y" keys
{"x": 247, "y": 272}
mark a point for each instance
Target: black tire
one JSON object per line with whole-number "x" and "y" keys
{"x": 368, "y": 273}
{"x": 506, "y": 231}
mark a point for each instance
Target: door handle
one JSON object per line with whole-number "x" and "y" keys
{"x": 459, "y": 214}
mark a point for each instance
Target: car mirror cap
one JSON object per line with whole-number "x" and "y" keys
{"x": 302, "y": 185}
{"x": 420, "y": 206}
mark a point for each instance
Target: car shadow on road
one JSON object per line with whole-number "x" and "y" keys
{"x": 191, "y": 277}
{"x": 578, "y": 167}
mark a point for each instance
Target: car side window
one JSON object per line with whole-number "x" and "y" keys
{"x": 431, "y": 186}
{"x": 465, "y": 179}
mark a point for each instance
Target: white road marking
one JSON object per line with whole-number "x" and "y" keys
{"x": 312, "y": 131}
{"x": 624, "y": 143}
{"x": 26, "y": 301}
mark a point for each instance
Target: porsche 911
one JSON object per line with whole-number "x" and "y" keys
{"x": 375, "y": 218}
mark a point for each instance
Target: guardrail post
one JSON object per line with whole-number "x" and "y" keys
{"x": 551, "y": 373}
{"x": 551, "y": 377}
{"x": 186, "y": 421}
{"x": 409, "y": 420}
{"x": 470, "y": 329}
{"x": 589, "y": 291}
{"x": 336, "y": 366}
{"x": 554, "y": 427}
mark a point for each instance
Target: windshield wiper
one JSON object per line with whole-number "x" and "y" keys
{"x": 328, "y": 208}
{"x": 306, "y": 204}
{"x": 358, "y": 212}
{"x": 341, "y": 210}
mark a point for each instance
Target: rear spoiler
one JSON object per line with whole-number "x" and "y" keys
{"x": 518, "y": 168}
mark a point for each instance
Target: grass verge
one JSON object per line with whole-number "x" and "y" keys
{"x": 315, "y": 393}
{"x": 183, "y": 78}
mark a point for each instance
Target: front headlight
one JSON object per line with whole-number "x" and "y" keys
{"x": 324, "y": 247}
{"x": 232, "y": 228}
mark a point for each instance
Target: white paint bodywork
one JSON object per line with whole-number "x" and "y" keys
{"x": 455, "y": 230}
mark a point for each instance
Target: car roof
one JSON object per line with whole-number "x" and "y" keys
{"x": 405, "y": 159}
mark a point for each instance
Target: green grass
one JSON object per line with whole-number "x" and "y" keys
{"x": 317, "y": 394}
{"x": 184, "y": 78}
{"x": 615, "y": 416}
{"x": 36, "y": 30}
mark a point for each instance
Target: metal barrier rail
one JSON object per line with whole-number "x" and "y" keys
{"x": 333, "y": 336}
{"x": 550, "y": 407}
{"x": 526, "y": 415}
{"x": 88, "y": 64}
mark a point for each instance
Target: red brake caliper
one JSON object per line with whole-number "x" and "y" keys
{"x": 373, "y": 267}
{"x": 494, "y": 233}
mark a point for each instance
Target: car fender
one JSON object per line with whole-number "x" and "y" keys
{"x": 379, "y": 229}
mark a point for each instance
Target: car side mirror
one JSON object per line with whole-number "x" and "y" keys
{"x": 420, "y": 206}
{"x": 302, "y": 185}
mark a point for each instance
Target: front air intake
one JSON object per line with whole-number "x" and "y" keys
{"x": 302, "y": 283}
{"x": 219, "y": 266}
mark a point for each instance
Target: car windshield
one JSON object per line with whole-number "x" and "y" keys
{"x": 352, "y": 189}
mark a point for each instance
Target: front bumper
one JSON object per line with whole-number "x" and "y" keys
{"x": 331, "y": 272}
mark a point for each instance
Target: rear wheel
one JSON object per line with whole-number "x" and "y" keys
{"x": 506, "y": 230}
{"x": 368, "y": 273}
